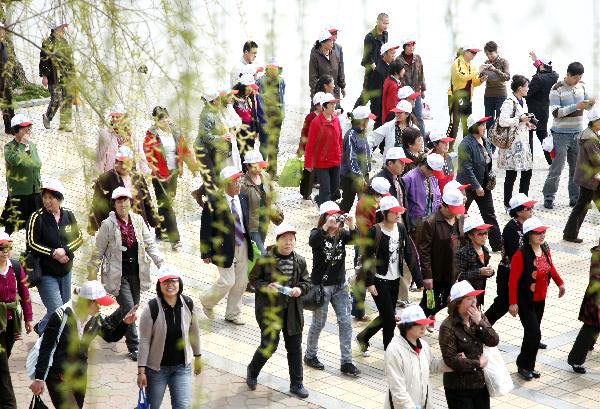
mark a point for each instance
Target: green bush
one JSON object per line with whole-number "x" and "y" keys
{"x": 30, "y": 91}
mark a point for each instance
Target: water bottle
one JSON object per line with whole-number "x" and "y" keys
{"x": 430, "y": 299}
{"x": 285, "y": 290}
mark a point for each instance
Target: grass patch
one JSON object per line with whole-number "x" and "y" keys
{"x": 30, "y": 91}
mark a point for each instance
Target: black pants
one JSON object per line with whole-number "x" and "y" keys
{"x": 580, "y": 210}
{"x": 509, "y": 183}
{"x": 499, "y": 307}
{"x": 531, "y": 319}
{"x": 269, "y": 145}
{"x": 269, "y": 340}
{"x": 329, "y": 184}
{"x": 129, "y": 295}
{"x": 351, "y": 188}
{"x": 585, "y": 340}
{"x": 6, "y": 103}
{"x": 306, "y": 184}
{"x": 541, "y": 129}
{"x": 7, "y": 394}
{"x": 62, "y": 394}
{"x": 165, "y": 194}
{"x": 486, "y": 208}
{"x": 385, "y": 300}
{"x": 467, "y": 398}
{"x": 18, "y": 210}
{"x": 441, "y": 292}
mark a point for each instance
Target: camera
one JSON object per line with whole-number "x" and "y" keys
{"x": 340, "y": 218}
{"x": 532, "y": 119}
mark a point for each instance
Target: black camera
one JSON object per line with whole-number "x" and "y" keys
{"x": 533, "y": 120}
{"x": 340, "y": 218}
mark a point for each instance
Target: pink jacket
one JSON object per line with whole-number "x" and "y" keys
{"x": 106, "y": 150}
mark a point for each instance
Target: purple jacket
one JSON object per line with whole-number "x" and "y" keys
{"x": 414, "y": 181}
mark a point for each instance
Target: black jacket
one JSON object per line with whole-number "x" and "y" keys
{"x": 217, "y": 230}
{"x": 472, "y": 168}
{"x": 372, "y": 47}
{"x": 72, "y": 351}
{"x": 44, "y": 236}
{"x": 385, "y": 173}
{"x": 324, "y": 251}
{"x": 539, "y": 90}
{"x": 512, "y": 239}
{"x": 263, "y": 274}
{"x": 375, "y": 87}
{"x": 56, "y": 60}
{"x": 468, "y": 264}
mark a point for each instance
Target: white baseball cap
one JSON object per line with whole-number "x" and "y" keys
{"x": 230, "y": 172}
{"x": 403, "y": 106}
{"x": 455, "y": 201}
{"x": 387, "y": 47}
{"x": 472, "y": 49}
{"x": 283, "y": 228}
{"x": 362, "y": 112}
{"x": 20, "y": 120}
{"x": 397, "y": 153}
{"x": 333, "y": 28}
{"x": 471, "y": 121}
{"x": 391, "y": 204}
{"x": 325, "y": 35}
{"x": 254, "y": 156}
{"x": 167, "y": 272}
{"x": 381, "y": 185}
{"x": 5, "y": 238}
{"x": 117, "y": 109}
{"x": 121, "y": 192}
{"x": 546, "y": 61}
{"x": 407, "y": 92}
{"x": 329, "y": 207}
{"x": 248, "y": 80}
{"x": 318, "y": 98}
{"x": 54, "y": 185}
{"x": 274, "y": 62}
{"x": 475, "y": 222}
{"x": 463, "y": 289}
{"x": 94, "y": 290}
{"x": 439, "y": 136}
{"x": 435, "y": 161}
{"x": 533, "y": 224}
{"x": 211, "y": 93}
{"x": 594, "y": 114}
{"x": 123, "y": 153}
{"x": 414, "y": 314}
{"x": 453, "y": 184}
{"x": 327, "y": 97}
{"x": 520, "y": 199}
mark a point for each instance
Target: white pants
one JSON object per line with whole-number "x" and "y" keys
{"x": 231, "y": 283}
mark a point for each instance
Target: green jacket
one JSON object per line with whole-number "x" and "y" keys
{"x": 22, "y": 169}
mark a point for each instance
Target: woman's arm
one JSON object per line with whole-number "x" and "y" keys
{"x": 486, "y": 333}
{"x": 451, "y": 354}
{"x": 24, "y": 296}
{"x": 34, "y": 236}
{"x": 466, "y": 267}
{"x": 516, "y": 268}
{"x": 194, "y": 335}
{"x": 465, "y": 157}
{"x": 316, "y": 238}
{"x": 77, "y": 241}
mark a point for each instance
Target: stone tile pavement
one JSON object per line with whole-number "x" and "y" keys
{"x": 227, "y": 349}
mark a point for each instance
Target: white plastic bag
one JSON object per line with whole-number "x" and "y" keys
{"x": 497, "y": 377}
{"x": 32, "y": 356}
{"x": 548, "y": 143}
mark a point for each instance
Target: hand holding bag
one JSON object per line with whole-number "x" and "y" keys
{"x": 497, "y": 377}
{"x": 315, "y": 297}
{"x": 142, "y": 402}
{"x": 37, "y": 403}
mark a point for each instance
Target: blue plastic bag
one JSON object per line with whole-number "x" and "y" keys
{"x": 142, "y": 403}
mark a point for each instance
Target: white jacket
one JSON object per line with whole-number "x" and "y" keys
{"x": 407, "y": 374}
{"x": 387, "y": 133}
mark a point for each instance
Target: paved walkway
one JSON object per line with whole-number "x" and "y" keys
{"x": 227, "y": 349}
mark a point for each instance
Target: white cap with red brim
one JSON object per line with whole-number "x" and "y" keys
{"x": 402, "y": 106}
{"x": 20, "y": 120}
{"x": 167, "y": 272}
{"x": 117, "y": 109}
{"x": 54, "y": 185}
{"x": 453, "y": 184}
{"x": 439, "y": 136}
{"x": 462, "y": 289}
{"x": 381, "y": 185}
{"x": 533, "y": 224}
{"x": 284, "y": 228}
{"x": 387, "y": 47}
{"x": 454, "y": 199}
{"x": 407, "y": 92}
{"x": 397, "y": 153}
{"x": 94, "y": 290}
{"x": 327, "y": 97}
{"x": 520, "y": 199}
{"x": 254, "y": 156}
{"x": 414, "y": 314}
{"x": 329, "y": 207}
{"x": 362, "y": 112}
{"x": 121, "y": 192}
{"x": 325, "y": 35}
{"x": 124, "y": 153}
{"x": 5, "y": 238}
{"x": 231, "y": 173}
{"x": 475, "y": 222}
{"x": 249, "y": 81}
{"x": 391, "y": 204}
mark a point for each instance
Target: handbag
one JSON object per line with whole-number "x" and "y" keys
{"x": 490, "y": 183}
{"x": 33, "y": 269}
{"x": 503, "y": 137}
{"x": 291, "y": 173}
{"x": 142, "y": 402}
{"x": 315, "y": 297}
{"x": 37, "y": 403}
{"x": 497, "y": 377}
{"x": 256, "y": 254}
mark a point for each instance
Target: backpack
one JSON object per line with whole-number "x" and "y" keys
{"x": 500, "y": 136}
{"x": 16, "y": 269}
{"x": 153, "y": 304}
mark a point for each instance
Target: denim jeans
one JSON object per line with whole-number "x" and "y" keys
{"x": 566, "y": 149}
{"x": 54, "y": 292}
{"x": 129, "y": 295}
{"x": 258, "y": 239}
{"x": 340, "y": 300}
{"x": 179, "y": 380}
{"x": 492, "y": 108}
{"x": 418, "y": 110}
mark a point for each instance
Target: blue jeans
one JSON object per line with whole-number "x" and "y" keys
{"x": 340, "y": 299}
{"x": 419, "y": 114}
{"x": 566, "y": 149}
{"x": 492, "y": 108}
{"x": 179, "y": 380}
{"x": 54, "y": 292}
{"x": 258, "y": 239}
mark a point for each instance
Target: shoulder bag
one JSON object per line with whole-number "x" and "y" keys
{"x": 315, "y": 297}
{"x": 503, "y": 137}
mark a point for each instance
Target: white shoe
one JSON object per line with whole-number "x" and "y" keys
{"x": 209, "y": 312}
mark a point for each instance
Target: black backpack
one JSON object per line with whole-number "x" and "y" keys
{"x": 153, "y": 304}
{"x": 16, "y": 269}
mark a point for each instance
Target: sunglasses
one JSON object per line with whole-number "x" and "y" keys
{"x": 170, "y": 281}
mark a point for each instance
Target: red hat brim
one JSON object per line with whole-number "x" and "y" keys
{"x": 483, "y": 227}
{"x": 235, "y": 176}
{"x": 121, "y": 196}
{"x": 540, "y": 229}
{"x": 5, "y": 241}
{"x": 463, "y": 187}
{"x": 396, "y": 110}
{"x": 410, "y": 42}
{"x": 26, "y": 124}
{"x": 474, "y": 293}
{"x": 333, "y": 211}
{"x": 165, "y": 278}
{"x": 396, "y": 209}
{"x": 460, "y": 209}
{"x": 529, "y": 203}
{"x": 484, "y": 119}
{"x": 105, "y": 301}
{"x": 372, "y": 116}
{"x": 473, "y": 50}
{"x": 414, "y": 95}
{"x": 425, "y": 321}
{"x": 253, "y": 86}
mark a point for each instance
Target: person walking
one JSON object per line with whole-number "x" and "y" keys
{"x": 356, "y": 158}
{"x": 538, "y": 98}
{"x": 57, "y": 69}
{"x": 441, "y": 146}
{"x": 516, "y": 158}
{"x": 53, "y": 236}
{"x": 475, "y": 169}
{"x": 225, "y": 235}
{"x": 377, "y": 78}
{"x": 464, "y": 77}
{"x": 521, "y": 209}
{"x": 383, "y": 269}
{"x": 337, "y": 49}
{"x": 414, "y": 77}
{"x": 169, "y": 343}
{"x": 497, "y": 70}
{"x": 389, "y": 94}
{"x": 373, "y": 42}
{"x": 6, "y": 83}
{"x": 307, "y": 181}
{"x": 323, "y": 153}
{"x": 394, "y": 163}
{"x": 124, "y": 248}
{"x": 587, "y": 177}
{"x": 462, "y": 337}
{"x": 65, "y": 375}
{"x": 391, "y": 133}
{"x": 248, "y": 106}
{"x": 323, "y": 60}
{"x": 530, "y": 270}
{"x": 280, "y": 281}
{"x": 23, "y": 179}
{"x": 13, "y": 293}
{"x": 250, "y": 50}
{"x": 328, "y": 242}
{"x": 568, "y": 99}
{"x": 473, "y": 259}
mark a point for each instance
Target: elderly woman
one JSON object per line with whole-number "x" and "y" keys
{"x": 53, "y": 236}
{"x": 440, "y": 145}
{"x": 280, "y": 280}
{"x": 124, "y": 247}
{"x": 169, "y": 342}
{"x": 530, "y": 270}
{"x": 324, "y": 61}
{"x": 22, "y": 176}
{"x": 462, "y": 337}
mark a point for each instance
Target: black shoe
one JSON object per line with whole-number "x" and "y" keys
{"x": 536, "y": 374}
{"x": 578, "y": 369}
{"x": 350, "y": 369}
{"x": 299, "y": 390}
{"x": 543, "y": 346}
{"x": 525, "y": 374}
{"x": 548, "y": 204}
{"x": 572, "y": 239}
{"x": 250, "y": 380}
{"x": 133, "y": 355}
{"x": 314, "y": 363}
{"x": 572, "y": 203}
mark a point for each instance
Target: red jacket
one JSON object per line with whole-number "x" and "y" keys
{"x": 389, "y": 97}
{"x": 538, "y": 285}
{"x": 304, "y": 132}
{"x": 155, "y": 154}
{"x": 324, "y": 146}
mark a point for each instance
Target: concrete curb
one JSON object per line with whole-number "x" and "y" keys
{"x": 33, "y": 102}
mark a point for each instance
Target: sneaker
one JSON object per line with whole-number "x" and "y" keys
{"x": 314, "y": 363}
{"x": 235, "y": 321}
{"x": 250, "y": 380}
{"x": 299, "y": 390}
{"x": 548, "y": 204}
{"x": 133, "y": 355}
{"x": 572, "y": 239}
{"x": 350, "y": 369}
{"x": 413, "y": 288}
{"x": 209, "y": 312}
{"x": 363, "y": 347}
{"x": 176, "y": 246}
{"x": 46, "y": 121}
{"x": 402, "y": 304}
{"x": 578, "y": 369}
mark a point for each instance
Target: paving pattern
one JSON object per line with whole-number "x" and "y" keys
{"x": 227, "y": 349}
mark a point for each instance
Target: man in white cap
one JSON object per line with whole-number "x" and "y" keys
{"x": 390, "y": 133}
{"x": 414, "y": 77}
{"x": 377, "y": 77}
{"x": 225, "y": 242}
{"x": 395, "y": 160}
{"x": 124, "y": 175}
{"x": 57, "y": 69}
{"x": 324, "y": 61}
{"x": 250, "y": 50}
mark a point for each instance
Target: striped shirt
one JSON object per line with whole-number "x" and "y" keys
{"x": 563, "y": 101}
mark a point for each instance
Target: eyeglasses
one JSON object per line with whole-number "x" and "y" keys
{"x": 170, "y": 281}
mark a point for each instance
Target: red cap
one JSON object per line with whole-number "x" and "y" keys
{"x": 529, "y": 204}
{"x": 168, "y": 277}
{"x": 105, "y": 301}
{"x": 474, "y": 293}
{"x": 262, "y": 164}
{"x": 254, "y": 87}
{"x": 460, "y": 209}
{"x": 473, "y": 50}
{"x": 396, "y": 209}
{"x": 405, "y": 160}
{"x": 372, "y": 116}
{"x": 414, "y": 95}
{"x": 483, "y": 227}
{"x": 540, "y": 229}
{"x": 426, "y": 321}
{"x": 410, "y": 42}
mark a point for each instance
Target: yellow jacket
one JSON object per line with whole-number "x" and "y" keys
{"x": 461, "y": 72}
